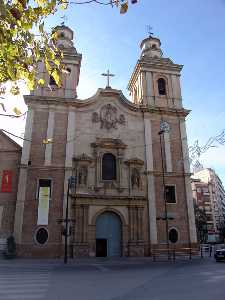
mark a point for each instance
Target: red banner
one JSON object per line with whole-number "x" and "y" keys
{"x": 6, "y": 181}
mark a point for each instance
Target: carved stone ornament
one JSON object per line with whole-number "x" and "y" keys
{"x": 135, "y": 178}
{"x": 83, "y": 157}
{"x": 82, "y": 175}
{"x": 164, "y": 126}
{"x": 134, "y": 161}
{"x": 108, "y": 117}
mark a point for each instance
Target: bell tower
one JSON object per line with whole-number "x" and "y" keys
{"x": 155, "y": 80}
{"x": 72, "y": 62}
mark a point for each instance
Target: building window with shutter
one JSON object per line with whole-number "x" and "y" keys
{"x": 44, "y": 193}
{"x": 44, "y": 183}
{"x": 170, "y": 192}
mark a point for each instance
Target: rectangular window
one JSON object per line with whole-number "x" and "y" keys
{"x": 43, "y": 195}
{"x": 44, "y": 183}
{"x": 170, "y": 194}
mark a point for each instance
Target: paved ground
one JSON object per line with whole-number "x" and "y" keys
{"x": 123, "y": 279}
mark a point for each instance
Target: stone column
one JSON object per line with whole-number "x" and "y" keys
{"x": 85, "y": 223}
{"x": 22, "y": 183}
{"x": 140, "y": 223}
{"x": 119, "y": 160}
{"x": 151, "y": 184}
{"x": 189, "y": 198}
{"x": 50, "y": 131}
{"x": 131, "y": 225}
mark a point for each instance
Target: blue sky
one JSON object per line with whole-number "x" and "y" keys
{"x": 192, "y": 34}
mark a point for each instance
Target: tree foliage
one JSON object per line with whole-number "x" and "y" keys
{"x": 201, "y": 224}
{"x": 24, "y": 41}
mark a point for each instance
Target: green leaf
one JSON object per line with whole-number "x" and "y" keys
{"x": 41, "y": 81}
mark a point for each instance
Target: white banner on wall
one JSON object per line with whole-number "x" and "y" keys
{"x": 43, "y": 205}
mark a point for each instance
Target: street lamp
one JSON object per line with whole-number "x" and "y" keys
{"x": 164, "y": 127}
{"x": 67, "y": 229}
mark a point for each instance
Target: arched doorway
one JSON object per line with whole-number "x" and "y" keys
{"x": 108, "y": 235}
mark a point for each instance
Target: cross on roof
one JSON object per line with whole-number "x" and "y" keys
{"x": 149, "y": 28}
{"x": 65, "y": 19}
{"x": 108, "y": 75}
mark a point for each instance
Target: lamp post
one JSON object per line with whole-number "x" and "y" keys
{"x": 67, "y": 227}
{"x": 164, "y": 127}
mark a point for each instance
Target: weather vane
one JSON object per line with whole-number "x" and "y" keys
{"x": 149, "y": 28}
{"x": 65, "y": 19}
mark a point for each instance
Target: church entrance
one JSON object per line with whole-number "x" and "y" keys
{"x": 108, "y": 235}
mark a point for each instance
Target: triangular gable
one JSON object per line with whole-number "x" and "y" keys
{"x": 7, "y": 144}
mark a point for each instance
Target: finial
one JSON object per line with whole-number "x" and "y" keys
{"x": 149, "y": 29}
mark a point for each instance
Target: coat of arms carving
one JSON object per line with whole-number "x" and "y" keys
{"x": 108, "y": 117}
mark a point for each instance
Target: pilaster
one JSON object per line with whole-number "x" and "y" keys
{"x": 50, "y": 131}
{"x": 22, "y": 183}
{"x": 189, "y": 197}
{"x": 151, "y": 184}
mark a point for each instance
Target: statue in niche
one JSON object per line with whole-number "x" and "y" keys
{"x": 135, "y": 178}
{"x": 95, "y": 117}
{"x": 82, "y": 175}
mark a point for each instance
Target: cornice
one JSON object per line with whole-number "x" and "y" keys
{"x": 108, "y": 143}
{"x": 153, "y": 64}
{"x": 165, "y": 110}
{"x": 134, "y": 161}
{"x": 76, "y": 103}
{"x": 109, "y": 197}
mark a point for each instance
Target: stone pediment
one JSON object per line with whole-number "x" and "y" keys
{"x": 108, "y": 143}
{"x": 134, "y": 161}
{"x": 83, "y": 157}
{"x": 7, "y": 144}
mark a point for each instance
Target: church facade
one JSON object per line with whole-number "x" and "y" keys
{"x": 129, "y": 159}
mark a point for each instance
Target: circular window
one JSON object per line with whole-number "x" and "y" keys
{"x": 41, "y": 236}
{"x": 173, "y": 236}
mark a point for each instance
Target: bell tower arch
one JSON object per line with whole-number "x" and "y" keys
{"x": 155, "y": 80}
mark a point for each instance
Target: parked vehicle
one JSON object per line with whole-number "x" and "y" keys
{"x": 220, "y": 254}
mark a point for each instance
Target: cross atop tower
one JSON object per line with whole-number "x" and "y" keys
{"x": 64, "y": 18}
{"x": 149, "y": 28}
{"x": 108, "y": 75}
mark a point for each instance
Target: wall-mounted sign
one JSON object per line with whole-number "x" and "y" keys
{"x": 6, "y": 186}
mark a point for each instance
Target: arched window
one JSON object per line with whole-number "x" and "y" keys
{"x": 161, "y": 86}
{"x": 173, "y": 235}
{"x": 108, "y": 167}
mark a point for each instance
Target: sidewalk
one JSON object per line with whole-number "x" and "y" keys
{"x": 88, "y": 261}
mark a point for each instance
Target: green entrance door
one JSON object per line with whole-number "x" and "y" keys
{"x": 108, "y": 229}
